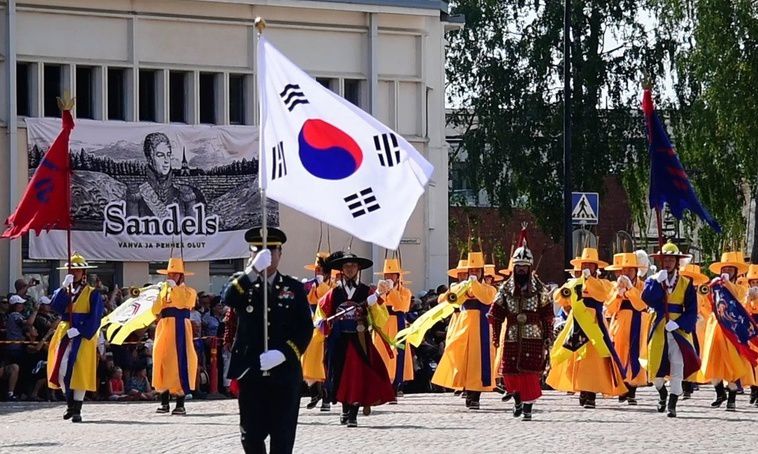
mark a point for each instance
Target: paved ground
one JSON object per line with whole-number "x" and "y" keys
{"x": 428, "y": 423}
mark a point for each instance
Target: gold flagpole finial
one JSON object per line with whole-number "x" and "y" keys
{"x": 65, "y": 102}
{"x": 260, "y": 24}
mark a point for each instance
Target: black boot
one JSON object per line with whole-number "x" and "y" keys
{"x": 69, "y": 405}
{"x": 528, "y": 412}
{"x": 506, "y": 397}
{"x": 753, "y": 395}
{"x": 631, "y": 397}
{"x": 472, "y": 400}
{"x": 165, "y": 399}
{"x": 345, "y": 414}
{"x": 582, "y": 398}
{"x": 720, "y": 395}
{"x": 77, "y": 411}
{"x": 352, "y": 416}
{"x": 663, "y": 395}
{"x": 687, "y": 390}
{"x": 179, "y": 409}
{"x": 673, "y": 398}
{"x": 590, "y": 400}
{"x": 731, "y": 401}
{"x": 315, "y": 393}
{"x": 325, "y": 405}
{"x": 518, "y": 406}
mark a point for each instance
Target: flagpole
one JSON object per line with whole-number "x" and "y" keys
{"x": 260, "y": 26}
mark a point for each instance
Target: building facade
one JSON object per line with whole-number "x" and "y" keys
{"x": 192, "y": 62}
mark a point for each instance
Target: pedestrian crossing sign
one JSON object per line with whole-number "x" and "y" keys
{"x": 585, "y": 207}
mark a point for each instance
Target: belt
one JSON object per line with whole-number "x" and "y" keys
{"x": 675, "y": 308}
{"x": 175, "y": 312}
{"x": 472, "y": 305}
{"x": 627, "y": 305}
{"x": 394, "y": 312}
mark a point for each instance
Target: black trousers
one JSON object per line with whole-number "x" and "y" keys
{"x": 269, "y": 408}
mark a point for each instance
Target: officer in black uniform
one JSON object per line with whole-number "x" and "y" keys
{"x": 268, "y": 404}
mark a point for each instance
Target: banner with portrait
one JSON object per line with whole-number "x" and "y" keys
{"x": 143, "y": 191}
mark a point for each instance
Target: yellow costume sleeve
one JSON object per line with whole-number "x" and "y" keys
{"x": 399, "y": 299}
{"x": 613, "y": 304}
{"x": 634, "y": 295}
{"x": 483, "y": 292}
{"x": 160, "y": 302}
{"x": 739, "y": 291}
{"x": 379, "y": 315}
{"x": 597, "y": 289}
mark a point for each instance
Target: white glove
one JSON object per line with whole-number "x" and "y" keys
{"x": 752, "y": 293}
{"x": 671, "y": 326}
{"x": 725, "y": 277}
{"x": 260, "y": 262}
{"x": 171, "y": 283}
{"x": 372, "y": 299}
{"x": 472, "y": 278}
{"x": 271, "y": 358}
{"x": 383, "y": 286}
{"x": 72, "y": 333}
{"x": 586, "y": 273}
{"x": 320, "y": 279}
{"x": 624, "y": 282}
{"x": 661, "y": 276}
{"x": 68, "y": 280}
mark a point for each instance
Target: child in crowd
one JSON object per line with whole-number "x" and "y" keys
{"x": 116, "y": 386}
{"x": 139, "y": 385}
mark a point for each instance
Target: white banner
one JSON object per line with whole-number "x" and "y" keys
{"x": 142, "y": 190}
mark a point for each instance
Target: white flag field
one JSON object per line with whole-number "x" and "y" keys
{"x": 325, "y": 157}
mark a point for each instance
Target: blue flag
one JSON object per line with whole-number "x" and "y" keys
{"x": 669, "y": 182}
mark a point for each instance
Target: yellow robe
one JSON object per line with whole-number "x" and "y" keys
{"x": 167, "y": 375}
{"x": 398, "y": 300}
{"x": 84, "y": 372}
{"x": 590, "y": 368}
{"x": 313, "y": 358}
{"x": 621, "y": 329}
{"x": 720, "y": 359}
{"x": 461, "y": 364}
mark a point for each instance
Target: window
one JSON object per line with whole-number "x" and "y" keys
{"x": 177, "y": 88}
{"x": 53, "y": 87}
{"x": 116, "y": 94}
{"x": 85, "y": 92}
{"x": 331, "y": 84}
{"x": 354, "y": 91}
{"x": 208, "y": 97}
{"x": 23, "y": 89}
{"x": 236, "y": 99}
{"x": 148, "y": 95}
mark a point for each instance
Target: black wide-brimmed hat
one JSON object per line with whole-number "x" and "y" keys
{"x": 339, "y": 258}
{"x": 275, "y": 236}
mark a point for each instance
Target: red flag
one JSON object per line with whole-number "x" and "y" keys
{"x": 46, "y": 201}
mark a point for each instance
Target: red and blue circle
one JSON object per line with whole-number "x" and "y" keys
{"x": 328, "y": 152}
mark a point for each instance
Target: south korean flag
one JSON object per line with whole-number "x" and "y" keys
{"x": 325, "y": 157}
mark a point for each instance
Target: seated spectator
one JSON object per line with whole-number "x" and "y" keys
{"x": 105, "y": 369}
{"x": 9, "y": 377}
{"x": 34, "y": 367}
{"x": 139, "y": 386}
{"x": 116, "y": 385}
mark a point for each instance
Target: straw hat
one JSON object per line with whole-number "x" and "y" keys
{"x": 320, "y": 257}
{"x": 733, "y": 258}
{"x": 461, "y": 268}
{"x": 392, "y": 266}
{"x": 623, "y": 260}
{"x": 489, "y": 270}
{"x": 175, "y": 265}
{"x": 77, "y": 263}
{"x": 475, "y": 260}
{"x": 693, "y": 272}
{"x": 507, "y": 271}
{"x": 589, "y": 255}
{"x": 752, "y": 272}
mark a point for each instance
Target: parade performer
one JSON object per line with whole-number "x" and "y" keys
{"x": 523, "y": 308}
{"x": 269, "y": 380}
{"x": 174, "y": 357}
{"x": 583, "y": 357}
{"x": 700, "y": 281}
{"x": 468, "y": 360}
{"x": 671, "y": 352}
{"x": 356, "y": 375}
{"x": 72, "y": 355}
{"x": 398, "y": 303}
{"x": 491, "y": 277}
{"x": 751, "y": 304}
{"x": 314, "y": 371}
{"x": 730, "y": 333}
{"x": 630, "y": 322}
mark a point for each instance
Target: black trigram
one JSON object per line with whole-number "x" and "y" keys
{"x": 292, "y": 96}
{"x": 362, "y": 202}
{"x": 387, "y": 149}
{"x": 279, "y": 163}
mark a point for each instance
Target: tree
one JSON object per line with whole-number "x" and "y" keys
{"x": 504, "y": 72}
{"x": 716, "y": 123}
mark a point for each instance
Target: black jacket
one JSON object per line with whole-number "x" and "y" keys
{"x": 290, "y": 325}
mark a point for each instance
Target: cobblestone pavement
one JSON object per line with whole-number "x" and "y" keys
{"x": 426, "y": 423}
